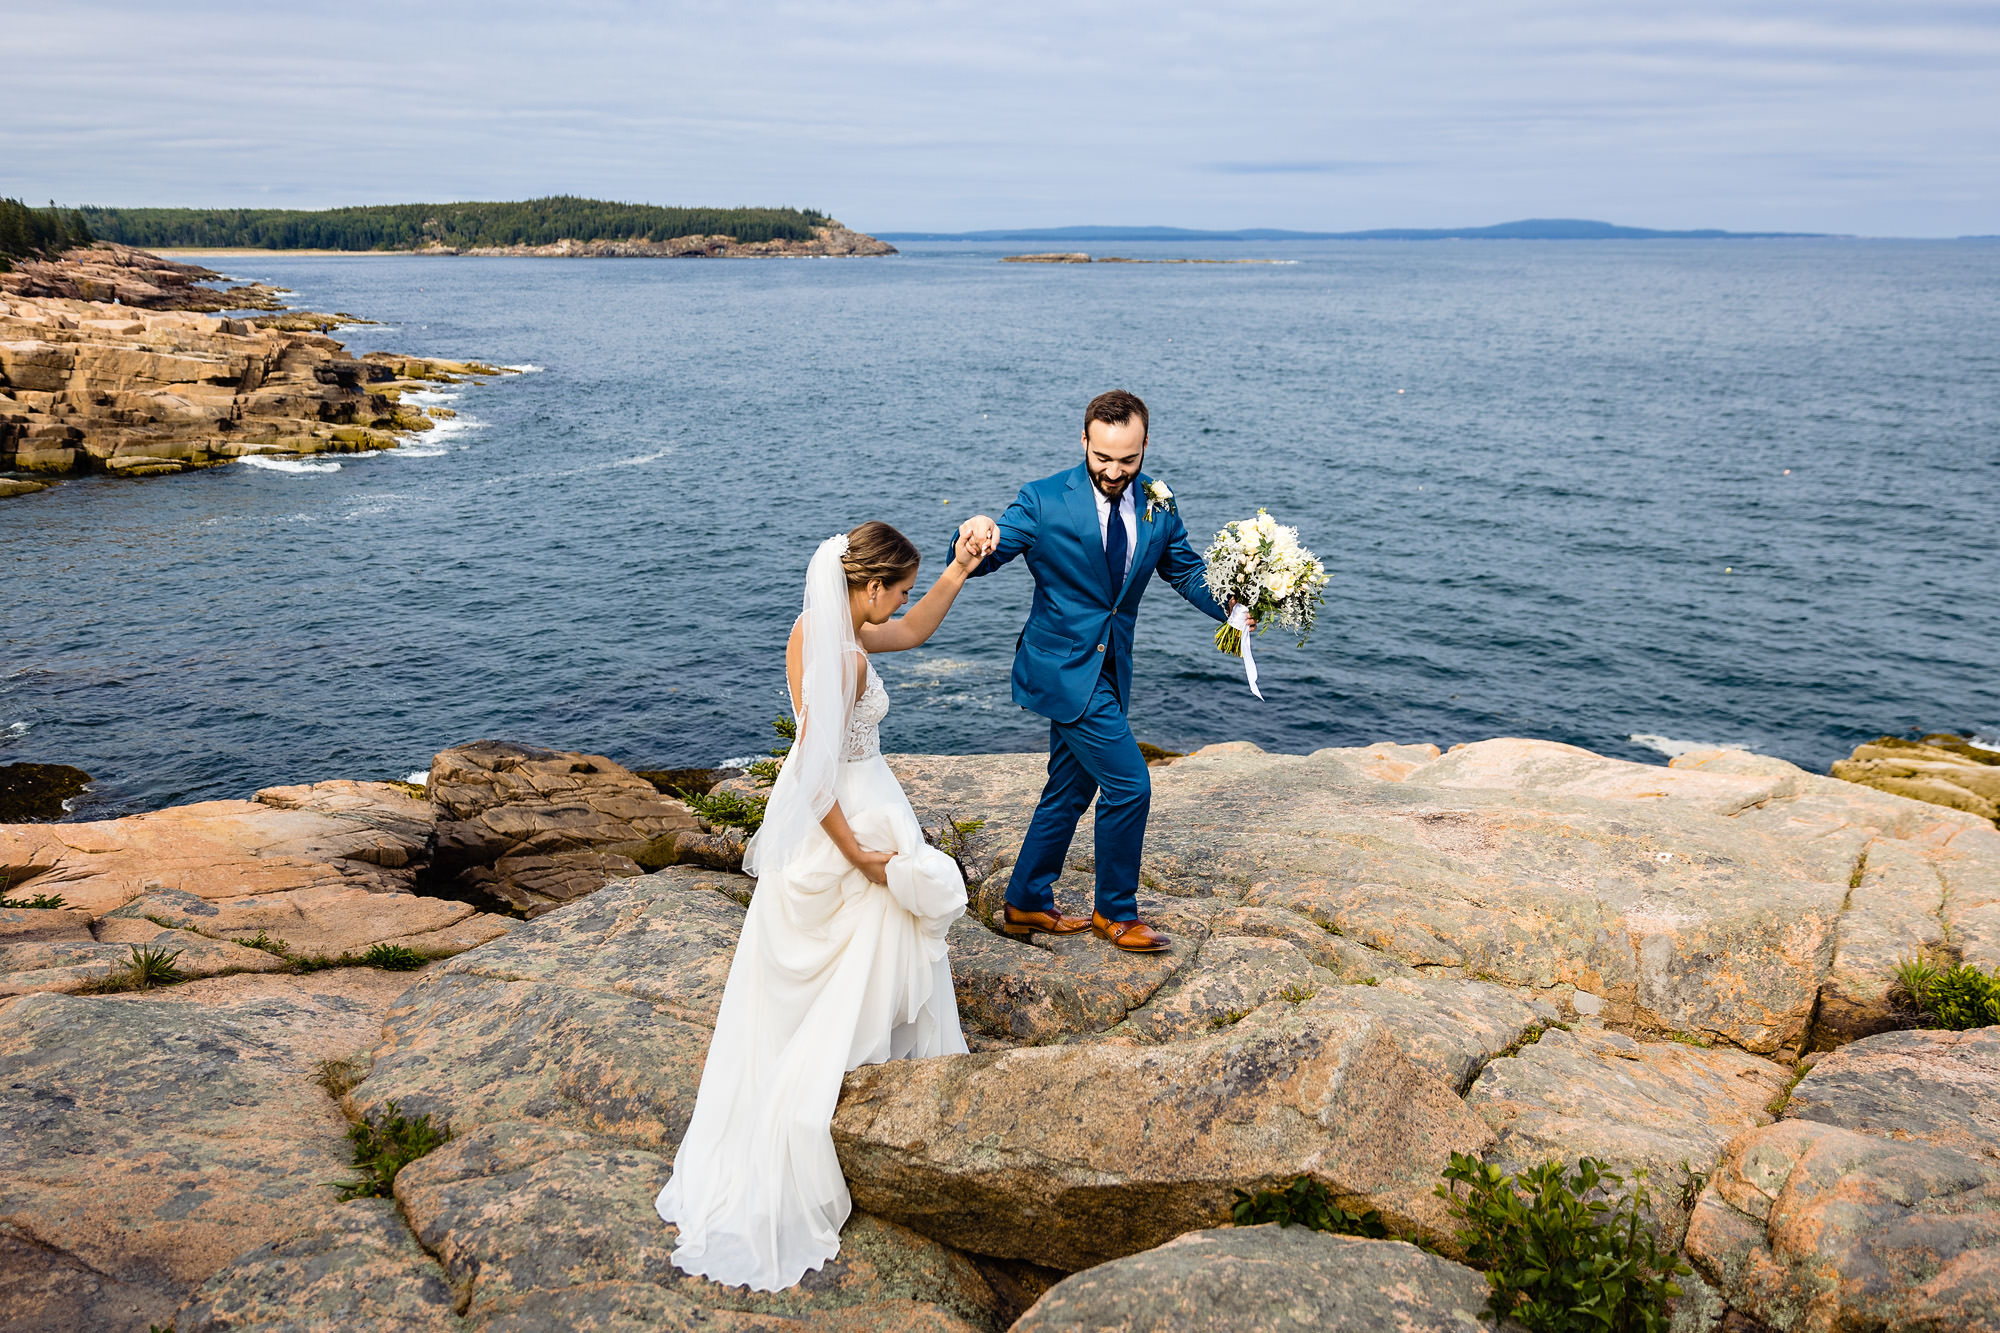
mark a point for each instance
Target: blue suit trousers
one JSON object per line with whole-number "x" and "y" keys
{"x": 1092, "y": 756}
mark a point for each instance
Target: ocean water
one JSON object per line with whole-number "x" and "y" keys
{"x": 1736, "y": 493}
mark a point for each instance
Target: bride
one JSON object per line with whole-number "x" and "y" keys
{"x": 842, "y": 960}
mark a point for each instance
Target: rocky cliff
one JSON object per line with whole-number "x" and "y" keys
{"x": 1516, "y": 949}
{"x": 106, "y": 365}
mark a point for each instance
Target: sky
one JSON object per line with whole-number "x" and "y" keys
{"x": 1869, "y": 118}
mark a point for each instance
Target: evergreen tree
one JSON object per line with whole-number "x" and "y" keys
{"x": 461, "y": 226}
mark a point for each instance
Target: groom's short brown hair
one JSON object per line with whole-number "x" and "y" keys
{"x": 1115, "y": 409}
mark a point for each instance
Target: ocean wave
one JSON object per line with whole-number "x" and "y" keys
{"x": 431, "y": 397}
{"x": 653, "y": 457}
{"x": 16, "y": 729}
{"x": 1674, "y": 749}
{"x": 270, "y": 464}
{"x": 1984, "y": 742}
{"x": 417, "y": 451}
{"x": 524, "y": 370}
{"x": 420, "y": 778}
{"x": 453, "y": 426}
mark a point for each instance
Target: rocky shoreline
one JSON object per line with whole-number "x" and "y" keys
{"x": 1516, "y": 950}
{"x": 111, "y": 361}
{"x": 830, "y": 241}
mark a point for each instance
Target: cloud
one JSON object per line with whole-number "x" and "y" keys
{"x": 1842, "y": 115}
{"x": 1324, "y": 166}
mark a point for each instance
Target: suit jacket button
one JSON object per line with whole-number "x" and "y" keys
{"x": 1100, "y": 647}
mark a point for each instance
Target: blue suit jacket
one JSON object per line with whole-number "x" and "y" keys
{"x": 1077, "y": 615}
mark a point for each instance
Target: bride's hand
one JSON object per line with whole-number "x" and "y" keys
{"x": 977, "y": 537}
{"x": 875, "y": 865}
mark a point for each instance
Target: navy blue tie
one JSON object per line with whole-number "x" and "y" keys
{"x": 1114, "y": 549}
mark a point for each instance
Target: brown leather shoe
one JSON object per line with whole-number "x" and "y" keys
{"x": 1017, "y": 922}
{"x": 1132, "y": 936}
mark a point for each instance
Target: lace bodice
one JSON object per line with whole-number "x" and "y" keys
{"x": 864, "y": 736}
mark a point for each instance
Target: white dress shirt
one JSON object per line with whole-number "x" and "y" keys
{"x": 1128, "y": 512}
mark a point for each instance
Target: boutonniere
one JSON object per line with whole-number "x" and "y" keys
{"x": 1158, "y": 497}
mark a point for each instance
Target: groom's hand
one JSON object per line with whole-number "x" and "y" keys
{"x": 1253, "y": 619}
{"x": 977, "y": 537}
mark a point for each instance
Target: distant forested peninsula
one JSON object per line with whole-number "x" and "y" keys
{"x": 532, "y": 222}
{"x": 26, "y": 231}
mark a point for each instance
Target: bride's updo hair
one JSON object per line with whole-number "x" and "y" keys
{"x": 877, "y": 551}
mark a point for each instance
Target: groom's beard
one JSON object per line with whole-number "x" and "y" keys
{"x": 1111, "y": 492}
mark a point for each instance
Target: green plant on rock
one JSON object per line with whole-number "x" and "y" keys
{"x": 385, "y": 1146}
{"x": 262, "y": 940}
{"x": 1955, "y": 998}
{"x": 726, "y": 809}
{"x": 1559, "y": 1257}
{"x": 40, "y": 900}
{"x": 150, "y": 966}
{"x": 338, "y": 1076}
{"x": 1306, "y": 1202}
{"x": 764, "y": 772}
{"x": 393, "y": 958}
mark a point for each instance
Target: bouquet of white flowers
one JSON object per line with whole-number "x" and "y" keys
{"x": 1258, "y": 564}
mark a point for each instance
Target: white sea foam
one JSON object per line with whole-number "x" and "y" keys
{"x": 270, "y": 464}
{"x": 742, "y": 761}
{"x": 653, "y": 457}
{"x": 431, "y": 397}
{"x": 415, "y": 451}
{"x": 17, "y": 728}
{"x": 524, "y": 370}
{"x": 1984, "y": 742}
{"x": 1674, "y": 749}
{"x": 420, "y": 778}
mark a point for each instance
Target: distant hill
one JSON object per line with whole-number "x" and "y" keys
{"x": 1529, "y": 229}
{"x": 458, "y": 226}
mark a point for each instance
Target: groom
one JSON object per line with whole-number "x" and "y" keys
{"x": 1091, "y": 535}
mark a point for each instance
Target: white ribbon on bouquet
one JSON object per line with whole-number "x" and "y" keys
{"x": 1239, "y": 620}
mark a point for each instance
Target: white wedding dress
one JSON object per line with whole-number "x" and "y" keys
{"x": 833, "y": 971}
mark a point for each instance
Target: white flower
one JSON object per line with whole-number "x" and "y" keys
{"x": 1158, "y": 492}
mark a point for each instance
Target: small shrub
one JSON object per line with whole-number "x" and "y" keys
{"x": 958, "y": 839}
{"x": 40, "y": 900}
{"x": 728, "y": 809}
{"x": 1954, "y": 998}
{"x": 153, "y": 966}
{"x": 262, "y": 940}
{"x": 1296, "y": 993}
{"x": 1305, "y": 1202}
{"x": 382, "y": 1149}
{"x": 1228, "y": 1018}
{"x": 338, "y": 1077}
{"x": 393, "y": 958}
{"x": 764, "y": 772}
{"x": 1558, "y": 1259}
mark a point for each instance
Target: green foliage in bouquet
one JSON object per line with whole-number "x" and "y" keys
{"x": 1259, "y": 563}
{"x": 1558, "y": 1259}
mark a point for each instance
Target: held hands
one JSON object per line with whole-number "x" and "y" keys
{"x": 1253, "y": 619}
{"x": 977, "y": 537}
{"x": 875, "y": 865}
